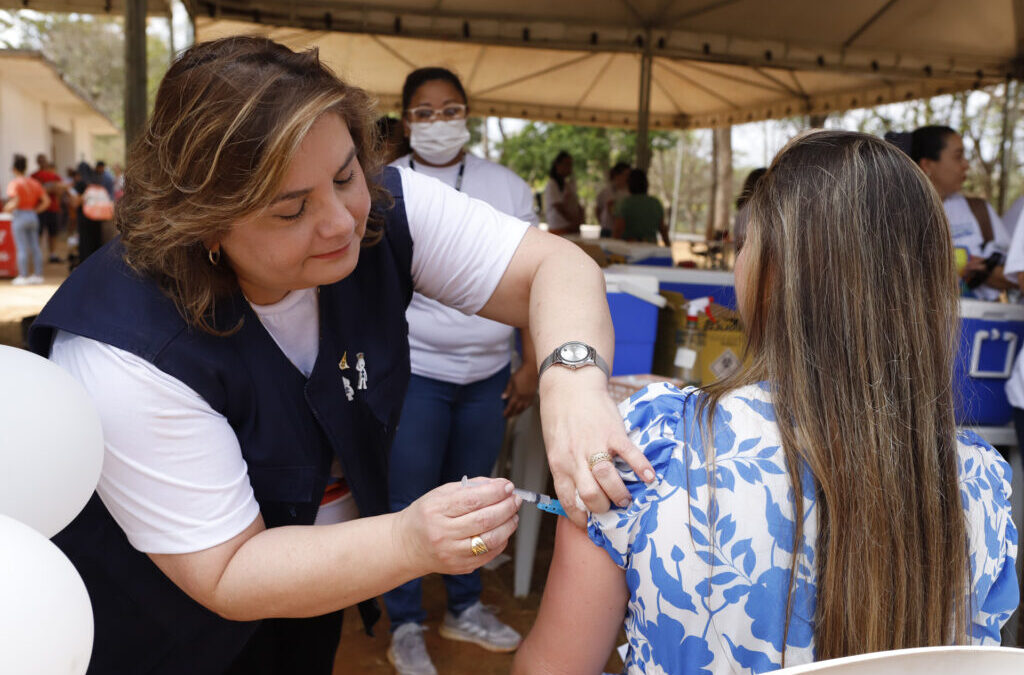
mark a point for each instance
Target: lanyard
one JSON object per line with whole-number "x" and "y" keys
{"x": 458, "y": 179}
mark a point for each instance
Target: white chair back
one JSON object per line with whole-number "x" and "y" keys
{"x": 923, "y": 661}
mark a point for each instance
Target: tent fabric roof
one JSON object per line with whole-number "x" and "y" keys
{"x": 715, "y": 62}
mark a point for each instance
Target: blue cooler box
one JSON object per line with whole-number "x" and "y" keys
{"x": 635, "y": 320}
{"x": 990, "y": 337}
{"x": 690, "y": 282}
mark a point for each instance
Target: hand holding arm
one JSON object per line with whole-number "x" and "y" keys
{"x": 558, "y": 291}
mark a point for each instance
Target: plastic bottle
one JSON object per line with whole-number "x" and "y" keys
{"x": 688, "y": 353}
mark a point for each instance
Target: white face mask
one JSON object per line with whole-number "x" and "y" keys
{"x": 438, "y": 142}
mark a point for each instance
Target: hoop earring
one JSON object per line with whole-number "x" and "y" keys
{"x": 214, "y": 256}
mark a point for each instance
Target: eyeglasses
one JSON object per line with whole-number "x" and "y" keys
{"x": 425, "y": 113}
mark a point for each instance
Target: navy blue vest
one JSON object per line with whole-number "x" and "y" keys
{"x": 289, "y": 428}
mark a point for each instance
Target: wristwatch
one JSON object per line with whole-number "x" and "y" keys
{"x": 574, "y": 354}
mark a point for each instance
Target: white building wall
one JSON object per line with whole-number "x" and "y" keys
{"x": 23, "y": 129}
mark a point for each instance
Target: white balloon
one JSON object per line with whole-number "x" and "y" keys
{"x": 46, "y": 623}
{"x": 51, "y": 442}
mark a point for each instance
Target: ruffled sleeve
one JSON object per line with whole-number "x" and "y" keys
{"x": 985, "y": 491}
{"x": 651, "y": 416}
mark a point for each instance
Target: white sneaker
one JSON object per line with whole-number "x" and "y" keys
{"x": 35, "y": 280}
{"x": 477, "y": 624}
{"x": 20, "y": 281}
{"x": 408, "y": 651}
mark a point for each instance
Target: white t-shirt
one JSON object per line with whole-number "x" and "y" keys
{"x": 966, "y": 232}
{"x": 173, "y": 474}
{"x": 446, "y": 344}
{"x": 1012, "y": 269}
{"x": 556, "y": 195}
{"x": 1011, "y": 219}
{"x": 606, "y": 214}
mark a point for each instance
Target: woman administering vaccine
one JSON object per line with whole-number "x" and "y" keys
{"x": 245, "y": 344}
{"x": 461, "y": 390}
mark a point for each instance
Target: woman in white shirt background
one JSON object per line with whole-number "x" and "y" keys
{"x": 939, "y": 151}
{"x": 561, "y": 205}
{"x": 453, "y": 419}
{"x": 615, "y": 189}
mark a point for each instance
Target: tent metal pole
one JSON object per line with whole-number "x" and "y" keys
{"x": 1004, "y": 147}
{"x": 643, "y": 144}
{"x": 135, "y": 69}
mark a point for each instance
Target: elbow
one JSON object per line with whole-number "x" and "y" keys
{"x": 233, "y": 611}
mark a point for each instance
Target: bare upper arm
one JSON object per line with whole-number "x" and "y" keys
{"x": 582, "y": 610}
{"x": 199, "y": 573}
{"x": 510, "y": 301}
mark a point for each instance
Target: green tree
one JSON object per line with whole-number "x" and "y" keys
{"x": 530, "y": 152}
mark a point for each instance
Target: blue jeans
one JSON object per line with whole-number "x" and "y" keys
{"x": 446, "y": 431}
{"x": 25, "y": 228}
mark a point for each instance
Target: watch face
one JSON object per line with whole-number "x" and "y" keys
{"x": 574, "y": 352}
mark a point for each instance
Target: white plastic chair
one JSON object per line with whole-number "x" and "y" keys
{"x": 924, "y": 661}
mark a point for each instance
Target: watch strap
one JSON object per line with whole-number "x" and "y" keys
{"x": 553, "y": 356}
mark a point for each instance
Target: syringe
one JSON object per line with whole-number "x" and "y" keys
{"x": 542, "y": 502}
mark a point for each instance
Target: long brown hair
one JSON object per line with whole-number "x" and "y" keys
{"x": 229, "y": 116}
{"x": 852, "y": 320}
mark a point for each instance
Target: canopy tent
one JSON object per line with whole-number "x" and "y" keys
{"x": 685, "y": 63}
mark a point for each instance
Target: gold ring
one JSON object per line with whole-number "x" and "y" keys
{"x": 477, "y": 546}
{"x": 597, "y": 458}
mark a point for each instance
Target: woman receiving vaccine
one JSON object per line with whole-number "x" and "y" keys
{"x": 461, "y": 388}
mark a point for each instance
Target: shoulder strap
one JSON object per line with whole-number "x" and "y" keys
{"x": 979, "y": 208}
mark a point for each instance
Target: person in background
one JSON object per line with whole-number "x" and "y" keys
{"x": 1014, "y": 387}
{"x": 118, "y": 182}
{"x": 900, "y": 535}
{"x": 49, "y": 220}
{"x": 69, "y": 213}
{"x": 105, "y": 177}
{"x": 973, "y": 223}
{"x": 26, "y": 199}
{"x": 640, "y": 217}
{"x": 1011, "y": 219}
{"x": 739, "y": 228}
{"x": 615, "y": 189}
{"x": 461, "y": 391}
{"x": 561, "y": 205}
{"x": 394, "y": 144}
{"x": 90, "y": 231}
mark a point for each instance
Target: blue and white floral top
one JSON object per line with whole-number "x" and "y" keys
{"x": 680, "y": 619}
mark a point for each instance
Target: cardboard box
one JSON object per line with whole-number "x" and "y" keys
{"x": 721, "y": 355}
{"x": 723, "y": 342}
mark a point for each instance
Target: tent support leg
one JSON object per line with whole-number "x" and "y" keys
{"x": 135, "y": 69}
{"x": 643, "y": 143}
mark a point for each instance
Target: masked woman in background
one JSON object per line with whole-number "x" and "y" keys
{"x": 453, "y": 416}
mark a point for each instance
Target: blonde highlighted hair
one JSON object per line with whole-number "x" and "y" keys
{"x": 229, "y": 116}
{"x": 851, "y": 310}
